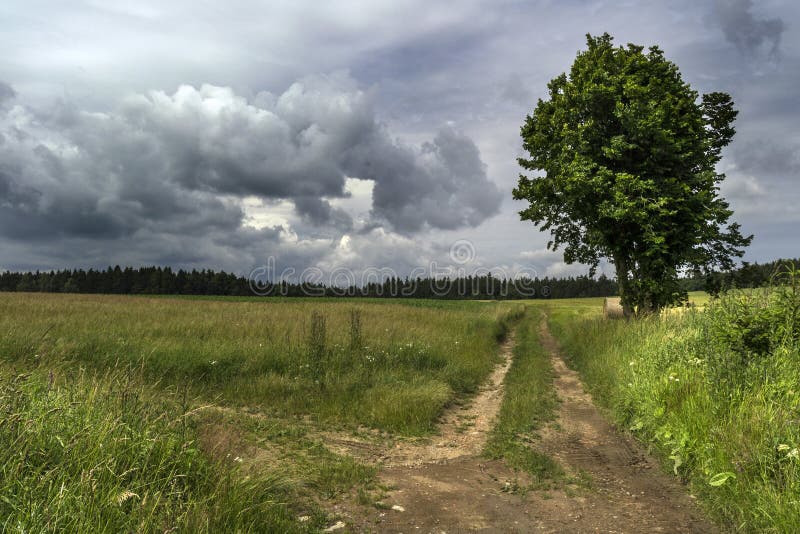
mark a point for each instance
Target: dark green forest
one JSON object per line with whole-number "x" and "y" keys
{"x": 165, "y": 281}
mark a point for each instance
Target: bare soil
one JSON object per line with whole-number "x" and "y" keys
{"x": 445, "y": 486}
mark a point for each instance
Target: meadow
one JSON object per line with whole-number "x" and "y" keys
{"x": 156, "y": 414}
{"x": 386, "y": 365}
{"x": 148, "y": 414}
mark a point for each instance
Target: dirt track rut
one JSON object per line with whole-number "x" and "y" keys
{"x": 445, "y": 486}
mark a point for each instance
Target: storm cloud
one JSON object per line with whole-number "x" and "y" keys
{"x": 745, "y": 30}
{"x": 350, "y": 134}
{"x": 173, "y": 162}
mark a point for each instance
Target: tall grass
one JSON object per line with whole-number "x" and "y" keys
{"x": 288, "y": 357}
{"x": 102, "y": 427}
{"x": 103, "y": 453}
{"x": 717, "y": 393}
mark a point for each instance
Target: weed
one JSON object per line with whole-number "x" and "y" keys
{"x": 356, "y": 341}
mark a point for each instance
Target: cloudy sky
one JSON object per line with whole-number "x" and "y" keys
{"x": 342, "y": 135}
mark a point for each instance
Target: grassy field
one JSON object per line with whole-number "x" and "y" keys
{"x": 206, "y": 414}
{"x": 716, "y": 391}
{"x": 387, "y": 365}
{"x": 108, "y": 420}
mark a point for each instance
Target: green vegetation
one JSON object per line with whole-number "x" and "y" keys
{"x": 528, "y": 403}
{"x": 716, "y": 391}
{"x": 165, "y": 281}
{"x": 151, "y": 414}
{"x": 155, "y": 414}
{"x": 105, "y": 453}
{"x": 395, "y": 369}
{"x": 629, "y": 154}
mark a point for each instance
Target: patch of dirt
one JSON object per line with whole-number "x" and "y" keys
{"x": 446, "y": 487}
{"x": 462, "y": 430}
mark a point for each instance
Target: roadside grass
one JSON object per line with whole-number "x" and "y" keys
{"x": 715, "y": 391}
{"x": 388, "y": 365}
{"x": 529, "y": 402}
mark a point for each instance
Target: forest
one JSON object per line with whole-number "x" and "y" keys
{"x": 165, "y": 281}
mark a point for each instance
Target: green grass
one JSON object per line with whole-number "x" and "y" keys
{"x": 396, "y": 369}
{"x": 715, "y": 391}
{"x": 529, "y": 402}
{"x": 86, "y": 453}
{"x": 142, "y": 414}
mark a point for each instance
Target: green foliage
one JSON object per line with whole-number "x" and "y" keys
{"x": 163, "y": 281}
{"x": 717, "y": 392}
{"x": 753, "y": 324}
{"x": 748, "y": 275}
{"x": 629, "y": 156}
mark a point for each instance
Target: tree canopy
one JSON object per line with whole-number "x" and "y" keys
{"x": 628, "y": 153}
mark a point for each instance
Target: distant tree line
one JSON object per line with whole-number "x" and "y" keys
{"x": 165, "y": 281}
{"x": 749, "y": 275}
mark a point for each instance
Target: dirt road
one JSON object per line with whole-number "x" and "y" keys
{"x": 445, "y": 486}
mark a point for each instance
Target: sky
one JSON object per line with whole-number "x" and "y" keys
{"x": 340, "y": 138}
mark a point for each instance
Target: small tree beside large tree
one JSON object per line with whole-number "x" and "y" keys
{"x": 628, "y": 153}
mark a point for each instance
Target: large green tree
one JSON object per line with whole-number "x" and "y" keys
{"x": 628, "y": 153}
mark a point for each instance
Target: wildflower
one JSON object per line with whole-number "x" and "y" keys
{"x": 213, "y": 362}
{"x": 783, "y": 447}
{"x": 794, "y": 453}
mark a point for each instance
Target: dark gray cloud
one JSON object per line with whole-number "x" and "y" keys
{"x": 747, "y": 31}
{"x": 253, "y": 154}
{"x": 178, "y": 164}
{"x": 6, "y": 92}
{"x": 443, "y": 185}
{"x": 319, "y": 211}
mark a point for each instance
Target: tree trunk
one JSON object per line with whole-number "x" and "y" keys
{"x": 624, "y": 285}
